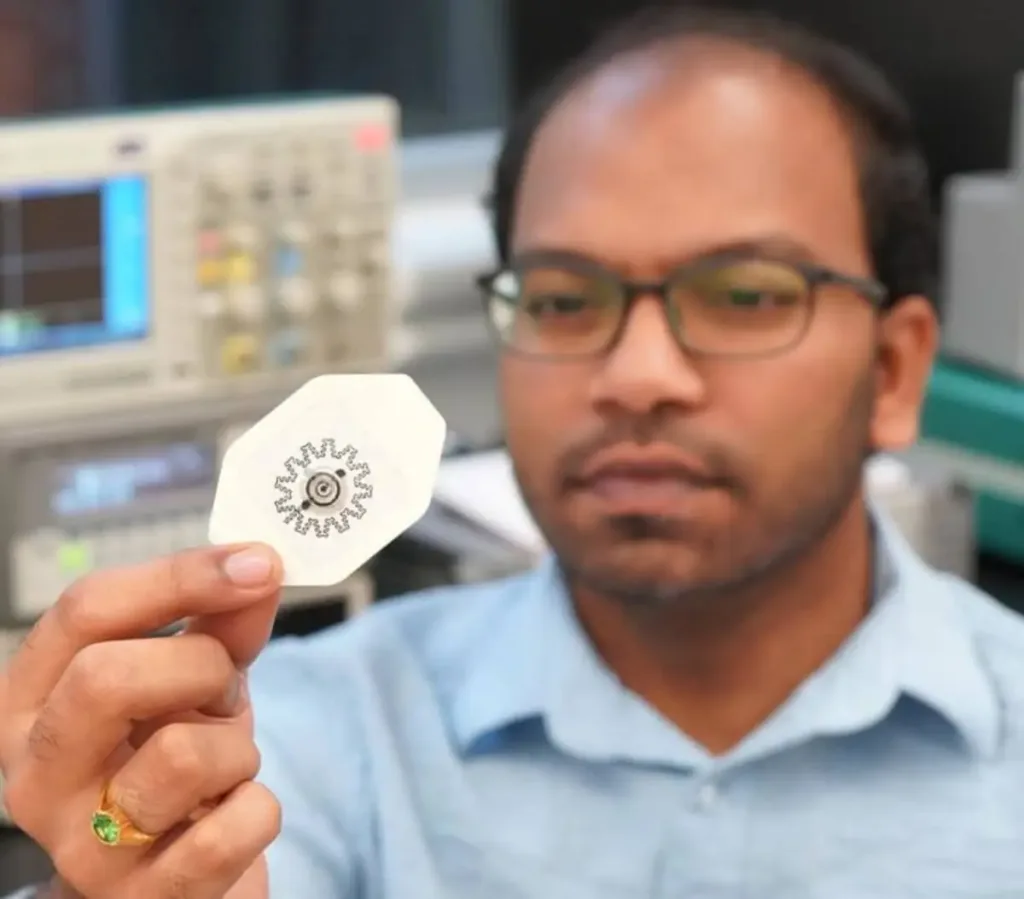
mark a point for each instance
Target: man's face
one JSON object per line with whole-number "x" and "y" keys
{"x": 717, "y": 469}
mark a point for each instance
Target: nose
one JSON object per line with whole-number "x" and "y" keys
{"x": 647, "y": 370}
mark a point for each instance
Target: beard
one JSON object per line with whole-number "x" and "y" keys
{"x": 648, "y": 561}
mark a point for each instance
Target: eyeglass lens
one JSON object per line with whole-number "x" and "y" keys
{"x": 744, "y": 307}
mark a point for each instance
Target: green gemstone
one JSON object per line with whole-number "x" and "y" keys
{"x": 107, "y": 830}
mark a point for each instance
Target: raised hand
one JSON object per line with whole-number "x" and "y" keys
{"x": 130, "y": 758}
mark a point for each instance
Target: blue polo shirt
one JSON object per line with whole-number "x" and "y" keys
{"x": 469, "y": 744}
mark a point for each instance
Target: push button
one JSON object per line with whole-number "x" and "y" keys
{"x": 239, "y": 354}
{"x": 707, "y": 797}
{"x": 75, "y": 559}
{"x": 288, "y": 261}
{"x": 211, "y": 273}
{"x": 212, "y": 305}
{"x": 287, "y": 348}
{"x": 297, "y": 297}
{"x": 211, "y": 243}
{"x": 247, "y": 304}
{"x": 241, "y": 269}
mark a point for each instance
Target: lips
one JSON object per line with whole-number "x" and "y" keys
{"x": 646, "y": 465}
{"x": 644, "y": 483}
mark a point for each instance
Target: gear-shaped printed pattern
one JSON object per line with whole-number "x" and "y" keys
{"x": 296, "y": 466}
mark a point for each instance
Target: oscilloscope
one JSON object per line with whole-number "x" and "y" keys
{"x": 193, "y": 251}
{"x": 166, "y": 278}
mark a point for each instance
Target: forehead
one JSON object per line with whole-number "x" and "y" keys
{"x": 656, "y": 159}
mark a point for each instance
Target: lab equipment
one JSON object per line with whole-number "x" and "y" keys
{"x": 974, "y": 416}
{"x": 332, "y": 475}
{"x": 82, "y": 492}
{"x": 193, "y": 253}
{"x": 983, "y": 279}
{"x": 122, "y": 499}
{"x": 974, "y": 430}
{"x": 442, "y": 241}
{"x": 933, "y": 511}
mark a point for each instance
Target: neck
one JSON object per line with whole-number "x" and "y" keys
{"x": 719, "y": 668}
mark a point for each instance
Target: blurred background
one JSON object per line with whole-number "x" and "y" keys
{"x": 445, "y": 60}
{"x": 457, "y": 65}
{"x": 167, "y": 276}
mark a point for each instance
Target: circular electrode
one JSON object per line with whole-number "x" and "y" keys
{"x": 324, "y": 489}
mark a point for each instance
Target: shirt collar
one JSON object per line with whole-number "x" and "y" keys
{"x": 938, "y": 660}
{"x": 536, "y": 665}
{"x": 506, "y": 675}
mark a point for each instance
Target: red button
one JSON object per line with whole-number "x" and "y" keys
{"x": 210, "y": 243}
{"x": 370, "y": 138}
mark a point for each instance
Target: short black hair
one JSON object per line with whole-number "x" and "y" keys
{"x": 895, "y": 190}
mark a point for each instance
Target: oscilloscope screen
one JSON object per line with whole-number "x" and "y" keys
{"x": 73, "y": 266}
{"x": 51, "y": 257}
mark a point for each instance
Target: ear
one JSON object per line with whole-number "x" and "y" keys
{"x": 908, "y": 340}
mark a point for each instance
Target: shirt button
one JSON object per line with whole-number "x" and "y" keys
{"x": 707, "y": 797}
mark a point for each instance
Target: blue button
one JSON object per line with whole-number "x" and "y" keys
{"x": 289, "y": 262}
{"x": 286, "y": 347}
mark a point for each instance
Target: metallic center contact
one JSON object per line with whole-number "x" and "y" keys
{"x": 325, "y": 488}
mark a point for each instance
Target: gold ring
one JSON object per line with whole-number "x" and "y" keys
{"x": 113, "y": 828}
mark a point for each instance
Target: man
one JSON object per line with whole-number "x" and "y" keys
{"x": 730, "y": 681}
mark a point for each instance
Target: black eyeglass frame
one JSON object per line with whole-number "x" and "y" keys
{"x": 816, "y": 276}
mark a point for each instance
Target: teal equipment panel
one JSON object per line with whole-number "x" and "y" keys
{"x": 982, "y": 413}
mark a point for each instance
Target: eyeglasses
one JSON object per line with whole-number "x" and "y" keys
{"x": 557, "y": 305}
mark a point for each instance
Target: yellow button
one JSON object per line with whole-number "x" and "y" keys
{"x": 239, "y": 354}
{"x": 241, "y": 269}
{"x": 75, "y": 559}
{"x": 211, "y": 273}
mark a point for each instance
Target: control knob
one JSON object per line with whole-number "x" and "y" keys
{"x": 345, "y": 290}
{"x": 247, "y": 304}
{"x": 297, "y": 297}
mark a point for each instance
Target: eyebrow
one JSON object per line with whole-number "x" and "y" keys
{"x": 770, "y": 246}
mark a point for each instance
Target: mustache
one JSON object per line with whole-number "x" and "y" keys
{"x": 715, "y": 462}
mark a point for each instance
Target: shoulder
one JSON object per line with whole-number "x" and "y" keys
{"x": 997, "y": 635}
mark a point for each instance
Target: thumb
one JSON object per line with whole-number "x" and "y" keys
{"x": 244, "y": 632}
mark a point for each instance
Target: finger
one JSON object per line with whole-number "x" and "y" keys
{"x": 181, "y": 767}
{"x": 244, "y": 632}
{"x": 106, "y": 688}
{"x": 143, "y": 730}
{"x": 215, "y": 852}
{"x": 132, "y": 602}
{"x": 250, "y": 822}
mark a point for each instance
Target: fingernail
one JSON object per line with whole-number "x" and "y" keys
{"x": 249, "y": 568}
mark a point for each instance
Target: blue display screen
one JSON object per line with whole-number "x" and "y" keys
{"x": 74, "y": 265}
{"x": 94, "y": 486}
